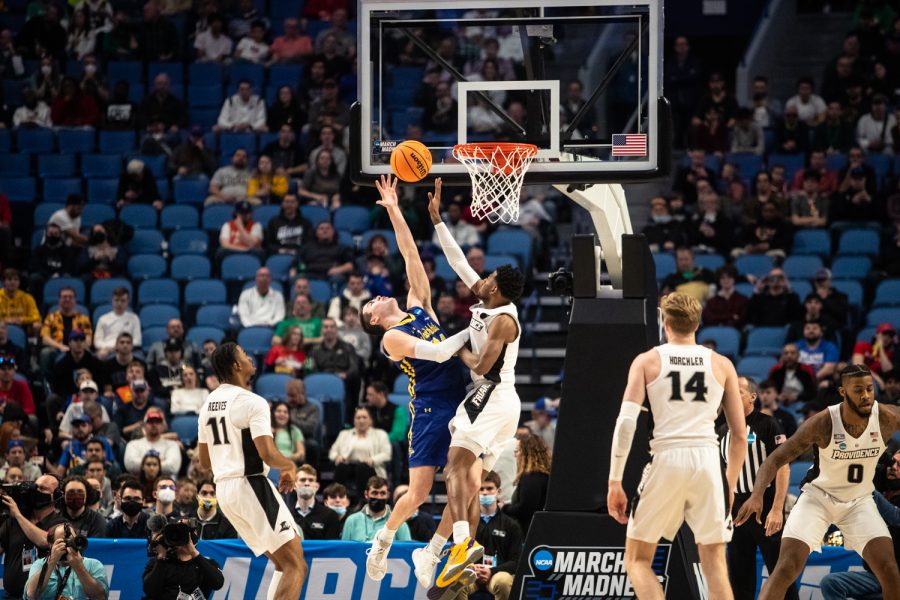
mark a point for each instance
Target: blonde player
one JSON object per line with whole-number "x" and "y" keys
{"x": 685, "y": 384}
{"x": 848, "y": 439}
{"x": 235, "y": 441}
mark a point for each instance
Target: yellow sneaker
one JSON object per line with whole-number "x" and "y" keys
{"x": 461, "y": 556}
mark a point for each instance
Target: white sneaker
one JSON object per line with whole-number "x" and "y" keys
{"x": 376, "y": 558}
{"x": 424, "y": 564}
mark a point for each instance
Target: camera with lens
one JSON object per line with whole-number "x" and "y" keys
{"x": 561, "y": 282}
{"x": 73, "y": 540}
{"x": 22, "y": 493}
{"x": 174, "y": 535}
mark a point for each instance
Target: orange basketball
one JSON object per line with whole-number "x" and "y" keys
{"x": 411, "y": 161}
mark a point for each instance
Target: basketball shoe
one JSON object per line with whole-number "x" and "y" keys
{"x": 461, "y": 556}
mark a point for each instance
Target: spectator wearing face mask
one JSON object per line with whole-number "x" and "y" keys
{"x": 318, "y": 521}
{"x": 335, "y": 498}
{"x": 77, "y": 494}
{"x": 103, "y": 257}
{"x": 212, "y": 523}
{"x": 132, "y": 522}
{"x": 362, "y": 526}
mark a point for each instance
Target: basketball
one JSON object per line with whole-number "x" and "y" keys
{"x": 411, "y": 161}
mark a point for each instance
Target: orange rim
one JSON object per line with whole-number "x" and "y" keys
{"x": 488, "y": 148}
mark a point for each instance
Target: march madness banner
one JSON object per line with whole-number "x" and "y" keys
{"x": 337, "y": 571}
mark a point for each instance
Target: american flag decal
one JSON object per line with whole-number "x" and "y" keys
{"x": 629, "y": 144}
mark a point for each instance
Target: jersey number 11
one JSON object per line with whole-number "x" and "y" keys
{"x": 214, "y": 425}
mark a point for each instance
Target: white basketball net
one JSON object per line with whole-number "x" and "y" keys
{"x": 497, "y": 172}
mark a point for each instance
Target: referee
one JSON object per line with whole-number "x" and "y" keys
{"x": 764, "y": 433}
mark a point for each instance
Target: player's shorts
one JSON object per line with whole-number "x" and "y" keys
{"x": 486, "y": 420}
{"x": 678, "y": 485}
{"x": 815, "y": 511}
{"x": 429, "y": 430}
{"x": 259, "y": 515}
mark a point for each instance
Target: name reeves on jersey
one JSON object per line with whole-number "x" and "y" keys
{"x": 221, "y": 405}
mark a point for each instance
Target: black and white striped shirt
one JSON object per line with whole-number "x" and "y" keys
{"x": 764, "y": 434}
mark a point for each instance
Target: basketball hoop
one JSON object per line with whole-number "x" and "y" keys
{"x": 497, "y": 171}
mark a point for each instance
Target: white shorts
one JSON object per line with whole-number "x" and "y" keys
{"x": 485, "y": 422}
{"x": 259, "y": 515}
{"x": 678, "y": 485}
{"x": 815, "y": 510}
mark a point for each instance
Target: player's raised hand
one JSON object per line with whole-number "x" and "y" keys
{"x": 434, "y": 202}
{"x": 387, "y": 187}
{"x": 753, "y": 506}
{"x": 617, "y": 502}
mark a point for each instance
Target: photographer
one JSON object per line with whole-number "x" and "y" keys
{"x": 22, "y": 534}
{"x": 177, "y": 569}
{"x": 65, "y": 573}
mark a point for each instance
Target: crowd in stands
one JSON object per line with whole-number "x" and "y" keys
{"x": 784, "y": 218}
{"x": 146, "y": 255}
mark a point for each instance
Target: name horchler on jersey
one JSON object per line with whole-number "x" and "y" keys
{"x": 686, "y": 361}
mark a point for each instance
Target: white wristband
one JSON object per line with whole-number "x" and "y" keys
{"x": 623, "y": 435}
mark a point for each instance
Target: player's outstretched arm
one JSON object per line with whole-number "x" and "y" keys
{"x": 272, "y": 456}
{"x": 815, "y": 430}
{"x": 623, "y": 435}
{"x": 737, "y": 425}
{"x": 419, "y": 286}
{"x": 451, "y": 249}
{"x": 399, "y": 344}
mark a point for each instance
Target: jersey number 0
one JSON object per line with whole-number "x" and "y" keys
{"x": 214, "y": 425}
{"x": 696, "y": 385}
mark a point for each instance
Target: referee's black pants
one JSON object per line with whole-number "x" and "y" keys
{"x": 742, "y": 554}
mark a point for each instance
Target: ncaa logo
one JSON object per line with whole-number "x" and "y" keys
{"x": 542, "y": 560}
{"x": 842, "y": 445}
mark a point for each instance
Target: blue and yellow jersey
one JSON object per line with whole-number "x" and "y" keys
{"x": 428, "y": 378}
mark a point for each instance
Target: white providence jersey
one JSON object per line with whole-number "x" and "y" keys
{"x": 229, "y": 420}
{"x": 845, "y": 468}
{"x": 684, "y": 399}
{"x": 503, "y": 372}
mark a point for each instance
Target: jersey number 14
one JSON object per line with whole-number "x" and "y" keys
{"x": 214, "y": 425}
{"x": 695, "y": 385}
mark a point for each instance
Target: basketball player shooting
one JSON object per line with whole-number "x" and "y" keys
{"x": 235, "y": 441}
{"x": 848, "y": 439}
{"x": 414, "y": 341}
{"x": 685, "y": 383}
{"x": 488, "y": 417}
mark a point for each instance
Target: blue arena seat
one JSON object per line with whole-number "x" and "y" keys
{"x": 516, "y": 242}
{"x": 727, "y": 339}
{"x": 754, "y": 264}
{"x": 765, "y": 341}
{"x": 801, "y": 287}
{"x": 100, "y": 310}
{"x": 59, "y": 189}
{"x": 102, "y": 191}
{"x": 190, "y": 191}
{"x": 151, "y": 335}
{"x": 756, "y": 367}
{"x": 200, "y": 333}
{"x": 156, "y": 164}
{"x": 328, "y": 390}
{"x": 443, "y": 269}
{"x": 146, "y": 241}
{"x": 286, "y": 74}
{"x": 186, "y": 427}
{"x": 176, "y": 216}
{"x": 799, "y": 469}
{"x": 218, "y": 315}
{"x": 35, "y": 141}
{"x": 130, "y": 71}
{"x": 204, "y": 117}
{"x": 229, "y": 142}
{"x": 19, "y": 189}
{"x": 80, "y": 141}
{"x": 881, "y": 163}
{"x": 280, "y": 264}
{"x": 878, "y": 316}
{"x": 116, "y": 142}
{"x": 836, "y": 162}
{"x": 389, "y": 236}
{"x": 401, "y": 384}
{"x": 748, "y": 163}
{"x": 215, "y": 216}
{"x": 53, "y": 286}
{"x": 206, "y": 73}
{"x": 205, "y": 96}
{"x": 887, "y": 293}
{"x": 139, "y": 216}
{"x": 263, "y": 213}
{"x": 158, "y": 291}
{"x": 859, "y": 241}
{"x": 17, "y": 335}
{"x": 272, "y": 386}
{"x": 256, "y": 340}
{"x": 188, "y": 241}
{"x": 851, "y": 267}
{"x": 315, "y": 214}
{"x": 56, "y": 165}
{"x": 146, "y": 266}
{"x": 709, "y": 261}
{"x": 106, "y": 166}
{"x": 355, "y": 219}
{"x": 101, "y": 289}
{"x": 15, "y": 165}
{"x": 320, "y": 291}
{"x": 204, "y": 291}
{"x": 254, "y": 73}
{"x": 801, "y": 267}
{"x": 175, "y": 71}
{"x": 189, "y": 267}
{"x": 492, "y": 261}
{"x": 96, "y": 213}
{"x": 791, "y": 163}
{"x": 239, "y": 267}
{"x": 44, "y": 210}
{"x": 853, "y": 288}
{"x": 158, "y": 315}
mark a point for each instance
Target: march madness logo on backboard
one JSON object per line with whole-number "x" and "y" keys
{"x": 584, "y": 572}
